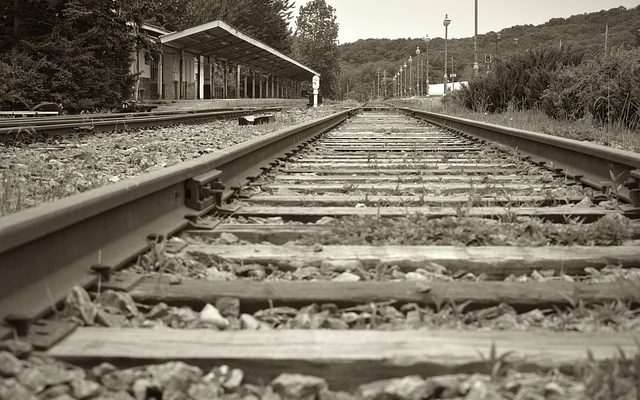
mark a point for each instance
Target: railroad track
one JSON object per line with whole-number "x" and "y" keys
{"x": 42, "y": 129}
{"x": 389, "y": 240}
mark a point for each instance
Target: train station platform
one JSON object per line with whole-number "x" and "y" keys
{"x": 215, "y": 61}
{"x": 208, "y": 104}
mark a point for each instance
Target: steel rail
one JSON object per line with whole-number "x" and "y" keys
{"x": 600, "y": 167}
{"x": 32, "y": 121}
{"x": 72, "y": 125}
{"x": 45, "y": 251}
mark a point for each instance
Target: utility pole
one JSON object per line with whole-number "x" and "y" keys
{"x": 476, "y": 67}
{"x": 606, "y": 40}
{"x": 378, "y": 87}
{"x": 384, "y": 81}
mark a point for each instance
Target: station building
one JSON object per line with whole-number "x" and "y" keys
{"x": 215, "y": 61}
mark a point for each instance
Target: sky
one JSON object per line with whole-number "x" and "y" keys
{"x": 392, "y": 19}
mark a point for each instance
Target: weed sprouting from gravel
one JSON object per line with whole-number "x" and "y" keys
{"x": 416, "y": 229}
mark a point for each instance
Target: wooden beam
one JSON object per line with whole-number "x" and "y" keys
{"x": 496, "y": 261}
{"x": 256, "y": 296}
{"x": 345, "y": 358}
{"x": 315, "y": 213}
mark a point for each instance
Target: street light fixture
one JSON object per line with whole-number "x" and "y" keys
{"x": 446, "y": 23}
{"x": 410, "y": 76}
{"x": 404, "y": 87}
{"x": 419, "y": 73}
{"x": 427, "y": 40}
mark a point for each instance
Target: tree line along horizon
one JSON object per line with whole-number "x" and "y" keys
{"x": 78, "y": 52}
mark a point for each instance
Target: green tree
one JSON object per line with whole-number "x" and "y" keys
{"x": 315, "y": 43}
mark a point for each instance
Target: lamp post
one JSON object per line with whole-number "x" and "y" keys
{"x": 497, "y": 40}
{"x": 427, "y": 40}
{"x": 419, "y": 73}
{"x": 446, "y": 23}
{"x": 394, "y": 85}
{"x": 404, "y": 87}
{"x": 410, "y": 76}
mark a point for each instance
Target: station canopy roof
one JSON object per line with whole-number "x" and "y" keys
{"x": 221, "y": 40}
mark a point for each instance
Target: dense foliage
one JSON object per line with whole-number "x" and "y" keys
{"x": 517, "y": 83}
{"x": 57, "y": 50}
{"x": 583, "y": 33}
{"x": 316, "y": 43}
{"x": 606, "y": 89}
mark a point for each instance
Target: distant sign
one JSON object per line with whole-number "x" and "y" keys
{"x": 487, "y": 58}
{"x": 315, "y": 82}
{"x": 453, "y": 75}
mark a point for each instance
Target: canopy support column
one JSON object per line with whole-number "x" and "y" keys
{"x": 225, "y": 78}
{"x": 253, "y": 84}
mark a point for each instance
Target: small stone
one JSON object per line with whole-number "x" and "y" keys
{"x": 101, "y": 369}
{"x": 325, "y": 221}
{"x": 204, "y": 390}
{"x": 228, "y": 306}
{"x": 234, "y": 379}
{"x": 228, "y": 238}
{"x": 340, "y": 265}
{"x": 249, "y": 322}
{"x": 317, "y": 248}
{"x": 481, "y": 390}
{"x": 141, "y": 387}
{"x": 78, "y": 304}
{"x": 337, "y": 323}
{"x": 84, "y": 389}
{"x": 32, "y": 379}
{"x": 447, "y": 385}
{"x": 111, "y": 320}
{"x": 175, "y": 279}
{"x": 416, "y": 277}
{"x": 160, "y": 310}
{"x": 55, "y": 392}
{"x": 346, "y": 277}
{"x": 306, "y": 272}
{"x": 298, "y": 387}
{"x": 57, "y": 374}
{"x": 18, "y": 348}
{"x": 10, "y": 366}
{"x": 553, "y": 388}
{"x": 118, "y": 395}
{"x": 118, "y": 380}
{"x": 408, "y": 388}
{"x": 174, "y": 376}
{"x": 12, "y": 389}
{"x": 211, "y": 315}
{"x": 117, "y": 301}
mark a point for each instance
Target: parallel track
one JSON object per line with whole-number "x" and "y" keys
{"x": 29, "y": 130}
{"x": 379, "y": 164}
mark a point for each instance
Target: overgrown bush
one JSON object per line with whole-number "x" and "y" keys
{"x": 606, "y": 89}
{"x": 518, "y": 82}
{"x": 73, "y": 52}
